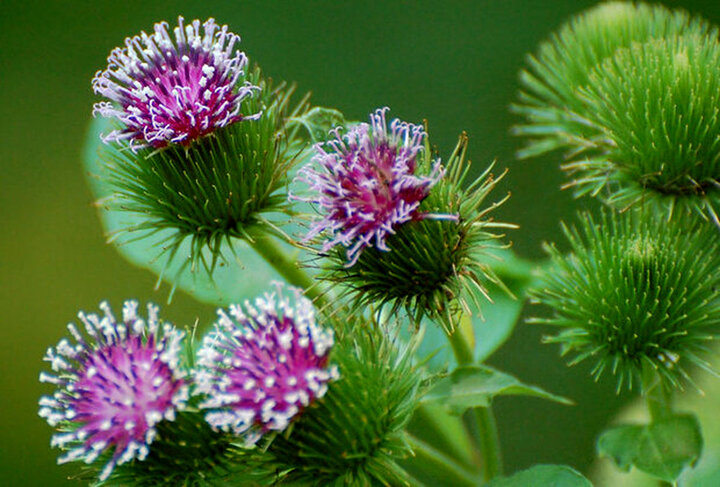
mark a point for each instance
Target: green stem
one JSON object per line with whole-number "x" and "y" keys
{"x": 484, "y": 420}
{"x": 659, "y": 403}
{"x": 290, "y": 269}
{"x": 657, "y": 395}
{"x": 440, "y": 463}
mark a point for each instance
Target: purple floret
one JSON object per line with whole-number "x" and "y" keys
{"x": 168, "y": 90}
{"x": 263, "y": 364}
{"x": 365, "y": 185}
{"x": 115, "y": 387}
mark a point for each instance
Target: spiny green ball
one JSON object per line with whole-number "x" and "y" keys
{"x": 186, "y": 452}
{"x": 658, "y": 106}
{"x": 555, "y": 115}
{"x": 432, "y": 264}
{"x": 635, "y": 292}
{"x": 354, "y": 435}
{"x": 216, "y": 187}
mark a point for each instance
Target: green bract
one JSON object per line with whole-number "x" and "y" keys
{"x": 186, "y": 452}
{"x": 658, "y": 107}
{"x": 224, "y": 185}
{"x": 556, "y": 117}
{"x": 432, "y": 266}
{"x": 355, "y": 434}
{"x": 635, "y": 294}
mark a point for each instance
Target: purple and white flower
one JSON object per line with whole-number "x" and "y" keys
{"x": 114, "y": 385}
{"x": 173, "y": 89}
{"x": 263, "y": 364}
{"x": 365, "y": 185}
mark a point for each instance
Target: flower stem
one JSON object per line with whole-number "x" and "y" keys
{"x": 440, "y": 463}
{"x": 289, "y": 268}
{"x": 659, "y": 402}
{"x": 484, "y": 420}
{"x": 657, "y": 396}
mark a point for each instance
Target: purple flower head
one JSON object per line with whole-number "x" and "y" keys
{"x": 173, "y": 89}
{"x": 263, "y": 364}
{"x": 113, "y": 388}
{"x": 366, "y": 184}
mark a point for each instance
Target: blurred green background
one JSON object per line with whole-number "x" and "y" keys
{"x": 453, "y": 63}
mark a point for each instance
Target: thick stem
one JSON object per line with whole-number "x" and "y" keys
{"x": 484, "y": 420}
{"x": 290, "y": 269}
{"x": 659, "y": 402}
{"x": 657, "y": 396}
{"x": 440, "y": 463}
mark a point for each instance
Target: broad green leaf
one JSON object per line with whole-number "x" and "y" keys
{"x": 662, "y": 449}
{"x": 476, "y": 385}
{"x": 241, "y": 274}
{"x": 494, "y": 326}
{"x": 543, "y": 476}
{"x": 499, "y": 318}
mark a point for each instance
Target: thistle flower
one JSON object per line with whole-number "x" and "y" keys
{"x": 355, "y": 435}
{"x": 636, "y": 293}
{"x": 367, "y": 184}
{"x": 556, "y": 117}
{"x": 168, "y": 89}
{"x": 114, "y": 388}
{"x": 264, "y": 363}
{"x": 412, "y": 232}
{"x": 656, "y": 105}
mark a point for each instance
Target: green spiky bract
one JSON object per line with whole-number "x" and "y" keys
{"x": 354, "y": 435}
{"x": 556, "y": 117}
{"x": 636, "y": 292}
{"x": 433, "y": 265}
{"x": 186, "y": 452}
{"x": 222, "y": 186}
{"x": 658, "y": 106}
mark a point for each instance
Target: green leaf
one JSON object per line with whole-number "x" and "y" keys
{"x": 230, "y": 280}
{"x": 543, "y": 476}
{"x": 318, "y": 121}
{"x": 476, "y": 385}
{"x": 662, "y": 449}
{"x": 499, "y": 318}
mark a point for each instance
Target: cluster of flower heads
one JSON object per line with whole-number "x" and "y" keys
{"x": 263, "y": 364}
{"x": 115, "y": 386}
{"x": 365, "y": 183}
{"x": 166, "y": 90}
{"x": 256, "y": 374}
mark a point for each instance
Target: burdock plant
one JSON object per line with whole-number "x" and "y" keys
{"x": 398, "y": 226}
{"x": 340, "y": 379}
{"x": 199, "y": 147}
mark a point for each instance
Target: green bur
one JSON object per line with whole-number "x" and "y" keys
{"x": 658, "y": 107}
{"x": 556, "y": 117}
{"x": 355, "y": 434}
{"x": 224, "y": 185}
{"x": 434, "y": 266}
{"x": 189, "y": 453}
{"x": 635, "y": 294}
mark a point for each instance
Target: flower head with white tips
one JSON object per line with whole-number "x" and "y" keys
{"x": 263, "y": 364}
{"x": 168, "y": 89}
{"x": 114, "y": 384}
{"x": 365, "y": 183}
